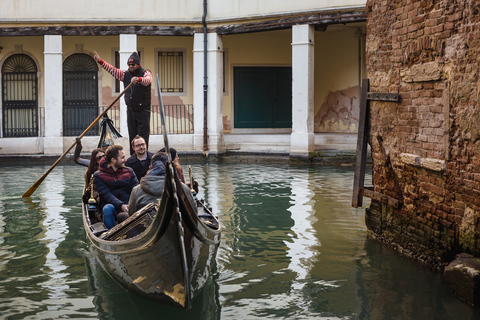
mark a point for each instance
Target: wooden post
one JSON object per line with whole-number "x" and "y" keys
{"x": 361, "y": 153}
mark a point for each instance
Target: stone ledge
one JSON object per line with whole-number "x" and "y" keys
{"x": 427, "y": 163}
{"x": 463, "y": 277}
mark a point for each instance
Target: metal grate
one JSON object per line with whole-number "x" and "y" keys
{"x": 80, "y": 95}
{"x": 178, "y": 117}
{"x": 171, "y": 71}
{"x": 19, "y": 98}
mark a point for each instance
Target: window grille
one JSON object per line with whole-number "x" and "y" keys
{"x": 171, "y": 71}
{"x": 80, "y": 95}
{"x": 19, "y": 97}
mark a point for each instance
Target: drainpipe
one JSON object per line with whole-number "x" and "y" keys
{"x": 359, "y": 35}
{"x": 205, "y": 78}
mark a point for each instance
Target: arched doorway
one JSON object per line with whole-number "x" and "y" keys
{"x": 80, "y": 94}
{"x": 19, "y": 97}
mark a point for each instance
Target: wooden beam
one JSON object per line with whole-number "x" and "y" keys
{"x": 286, "y": 23}
{"x": 97, "y": 31}
{"x": 380, "y": 197}
{"x": 361, "y": 153}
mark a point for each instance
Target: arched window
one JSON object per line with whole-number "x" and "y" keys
{"x": 19, "y": 97}
{"x": 80, "y": 94}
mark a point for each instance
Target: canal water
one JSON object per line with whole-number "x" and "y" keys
{"x": 292, "y": 248}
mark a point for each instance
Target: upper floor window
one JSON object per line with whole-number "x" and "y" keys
{"x": 170, "y": 65}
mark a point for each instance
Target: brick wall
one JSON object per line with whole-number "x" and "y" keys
{"x": 426, "y": 148}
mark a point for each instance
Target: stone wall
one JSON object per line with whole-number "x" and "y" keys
{"x": 426, "y": 148}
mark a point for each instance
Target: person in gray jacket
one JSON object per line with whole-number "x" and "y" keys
{"x": 151, "y": 186}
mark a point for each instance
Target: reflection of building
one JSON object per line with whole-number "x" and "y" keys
{"x": 282, "y": 76}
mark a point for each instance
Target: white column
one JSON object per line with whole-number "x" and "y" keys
{"x": 53, "y": 56}
{"x": 198, "y": 81}
{"x": 215, "y": 92}
{"x": 128, "y": 44}
{"x": 303, "y": 137}
{"x": 216, "y": 144}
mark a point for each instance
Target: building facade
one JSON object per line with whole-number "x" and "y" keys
{"x": 250, "y": 75}
{"x": 425, "y": 148}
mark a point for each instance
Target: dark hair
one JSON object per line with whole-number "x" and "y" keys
{"x": 173, "y": 152}
{"x": 112, "y": 152}
{"x": 136, "y": 137}
{"x": 159, "y": 156}
{"x": 93, "y": 165}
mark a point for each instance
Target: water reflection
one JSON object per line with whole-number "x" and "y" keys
{"x": 55, "y": 230}
{"x": 292, "y": 248}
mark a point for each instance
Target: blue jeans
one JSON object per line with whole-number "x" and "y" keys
{"x": 109, "y": 215}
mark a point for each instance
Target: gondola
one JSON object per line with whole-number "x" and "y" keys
{"x": 163, "y": 252}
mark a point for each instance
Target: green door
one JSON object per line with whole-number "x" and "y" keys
{"x": 262, "y": 97}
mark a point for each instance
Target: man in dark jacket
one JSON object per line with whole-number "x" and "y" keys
{"x": 138, "y": 98}
{"x": 140, "y": 160}
{"x": 114, "y": 182}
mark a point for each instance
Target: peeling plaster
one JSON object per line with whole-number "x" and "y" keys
{"x": 339, "y": 112}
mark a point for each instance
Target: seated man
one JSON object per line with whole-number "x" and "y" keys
{"x": 140, "y": 160}
{"x": 114, "y": 182}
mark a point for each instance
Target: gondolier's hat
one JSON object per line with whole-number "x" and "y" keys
{"x": 134, "y": 58}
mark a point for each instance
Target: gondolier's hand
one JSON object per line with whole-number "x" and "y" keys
{"x": 96, "y": 56}
{"x": 134, "y": 80}
{"x": 124, "y": 207}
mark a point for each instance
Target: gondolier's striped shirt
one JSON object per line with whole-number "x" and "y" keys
{"x": 119, "y": 73}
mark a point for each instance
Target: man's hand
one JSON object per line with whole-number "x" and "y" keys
{"x": 134, "y": 80}
{"x": 124, "y": 207}
{"x": 96, "y": 56}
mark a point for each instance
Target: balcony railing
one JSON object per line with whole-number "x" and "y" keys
{"x": 178, "y": 118}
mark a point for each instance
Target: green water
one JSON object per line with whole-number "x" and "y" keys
{"x": 292, "y": 248}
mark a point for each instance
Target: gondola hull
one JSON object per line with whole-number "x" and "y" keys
{"x": 170, "y": 261}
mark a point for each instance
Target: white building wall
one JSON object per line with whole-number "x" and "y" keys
{"x": 160, "y": 10}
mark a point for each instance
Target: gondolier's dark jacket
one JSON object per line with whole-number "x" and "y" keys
{"x": 114, "y": 186}
{"x": 139, "y": 96}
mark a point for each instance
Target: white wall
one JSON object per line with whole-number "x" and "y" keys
{"x": 159, "y": 10}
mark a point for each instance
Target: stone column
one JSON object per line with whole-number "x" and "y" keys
{"x": 53, "y": 58}
{"x": 198, "y": 81}
{"x": 128, "y": 44}
{"x": 303, "y": 137}
{"x": 215, "y": 92}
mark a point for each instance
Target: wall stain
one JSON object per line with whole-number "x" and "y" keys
{"x": 339, "y": 112}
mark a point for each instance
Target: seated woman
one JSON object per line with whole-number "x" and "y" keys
{"x": 92, "y": 166}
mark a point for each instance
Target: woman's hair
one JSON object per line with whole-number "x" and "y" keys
{"x": 93, "y": 166}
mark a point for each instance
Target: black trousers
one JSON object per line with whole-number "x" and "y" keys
{"x": 138, "y": 122}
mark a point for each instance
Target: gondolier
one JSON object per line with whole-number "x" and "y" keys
{"x": 138, "y": 99}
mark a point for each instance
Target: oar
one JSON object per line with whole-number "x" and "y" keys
{"x": 39, "y": 181}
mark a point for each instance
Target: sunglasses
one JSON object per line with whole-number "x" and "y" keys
{"x": 100, "y": 157}
{"x": 131, "y": 64}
